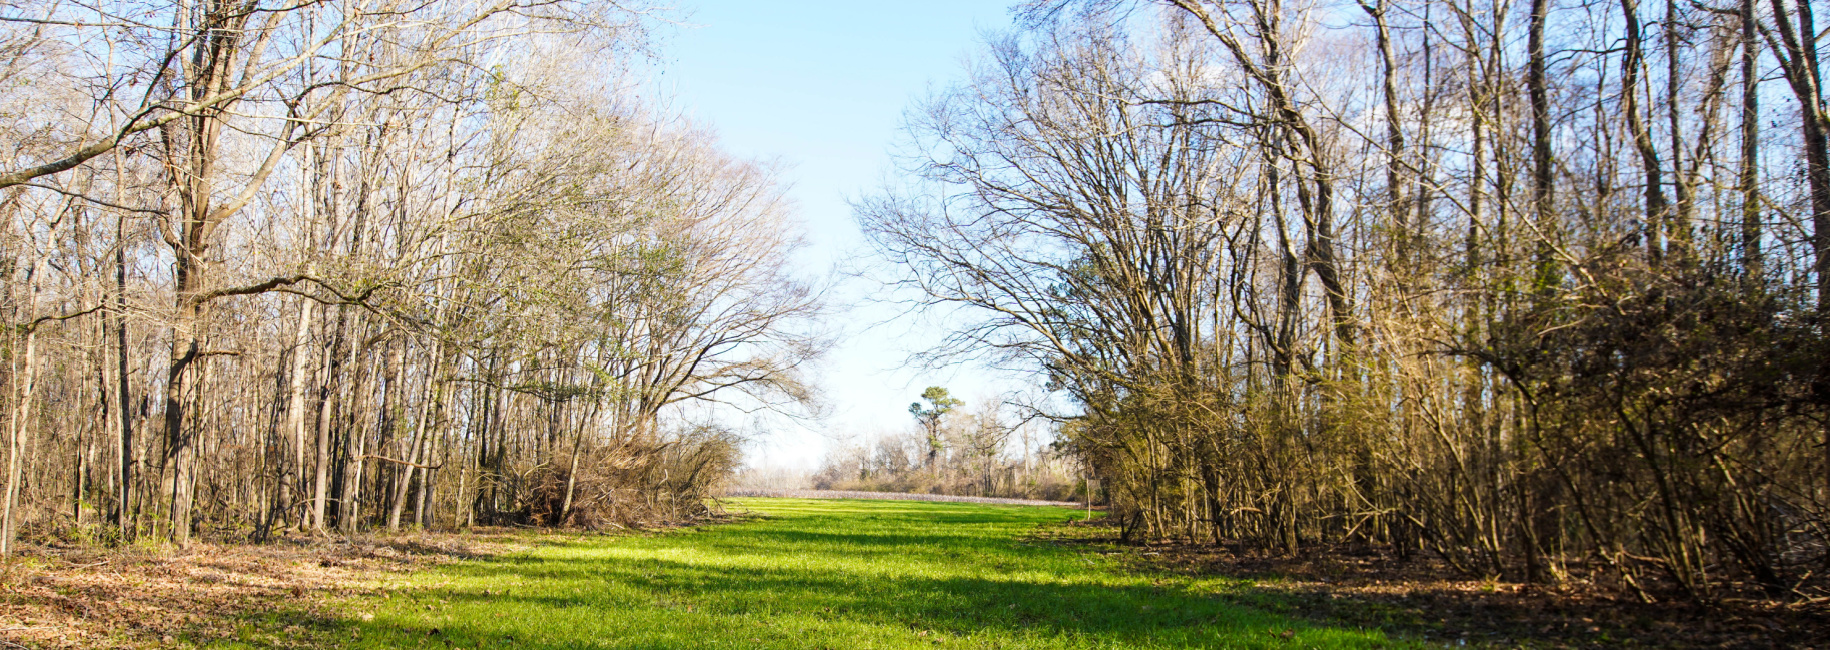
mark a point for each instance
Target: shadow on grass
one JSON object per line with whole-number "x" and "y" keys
{"x": 808, "y": 582}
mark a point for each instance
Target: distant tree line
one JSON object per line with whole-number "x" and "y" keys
{"x": 1539, "y": 288}
{"x": 369, "y": 264}
{"x": 956, "y": 449}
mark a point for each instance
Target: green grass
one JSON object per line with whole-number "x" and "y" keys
{"x": 818, "y": 574}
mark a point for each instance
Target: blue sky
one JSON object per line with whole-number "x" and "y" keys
{"x": 820, "y": 87}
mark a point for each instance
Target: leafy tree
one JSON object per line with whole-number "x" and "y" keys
{"x": 940, "y": 403}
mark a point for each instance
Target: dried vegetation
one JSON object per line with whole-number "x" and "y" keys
{"x": 284, "y": 592}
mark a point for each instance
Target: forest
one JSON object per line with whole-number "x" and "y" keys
{"x": 331, "y": 266}
{"x": 1538, "y": 289}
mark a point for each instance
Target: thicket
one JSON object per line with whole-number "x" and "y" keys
{"x": 369, "y": 263}
{"x": 1539, "y": 288}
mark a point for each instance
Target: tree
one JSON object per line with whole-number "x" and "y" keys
{"x": 334, "y": 266}
{"x": 930, "y": 417}
{"x": 1530, "y": 322}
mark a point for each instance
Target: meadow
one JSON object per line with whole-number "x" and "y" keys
{"x": 812, "y": 574}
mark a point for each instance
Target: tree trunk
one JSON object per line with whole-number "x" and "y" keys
{"x": 1677, "y": 231}
{"x": 416, "y": 442}
{"x": 327, "y": 398}
{"x": 1542, "y": 174}
{"x": 1799, "y": 62}
{"x": 123, "y": 392}
{"x": 1749, "y": 177}
{"x": 1630, "y": 66}
{"x": 292, "y": 482}
{"x": 22, "y": 418}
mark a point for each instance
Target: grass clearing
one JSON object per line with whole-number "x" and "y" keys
{"x": 812, "y": 574}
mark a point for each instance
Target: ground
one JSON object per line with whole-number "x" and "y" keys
{"x": 781, "y": 573}
{"x": 1423, "y": 599}
{"x": 151, "y": 597}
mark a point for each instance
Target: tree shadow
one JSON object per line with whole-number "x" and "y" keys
{"x": 804, "y": 582}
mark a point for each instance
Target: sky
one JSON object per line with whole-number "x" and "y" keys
{"x": 819, "y": 88}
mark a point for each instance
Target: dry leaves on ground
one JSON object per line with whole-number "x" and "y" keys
{"x": 81, "y": 598}
{"x": 1423, "y": 598}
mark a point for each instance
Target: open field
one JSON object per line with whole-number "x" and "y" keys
{"x": 803, "y": 574}
{"x": 794, "y": 573}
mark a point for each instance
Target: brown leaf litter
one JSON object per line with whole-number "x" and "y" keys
{"x": 133, "y": 598}
{"x": 1423, "y": 599}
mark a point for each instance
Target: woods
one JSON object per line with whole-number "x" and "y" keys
{"x": 1537, "y": 288}
{"x": 368, "y": 264}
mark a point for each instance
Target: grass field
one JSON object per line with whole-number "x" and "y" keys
{"x": 814, "y": 574}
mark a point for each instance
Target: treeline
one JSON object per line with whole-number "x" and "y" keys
{"x": 1541, "y": 289}
{"x": 367, "y": 263}
{"x": 955, "y": 449}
